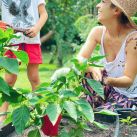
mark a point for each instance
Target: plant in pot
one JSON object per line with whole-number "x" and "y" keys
{"x": 63, "y": 97}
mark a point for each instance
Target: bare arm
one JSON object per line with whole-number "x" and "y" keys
{"x": 91, "y": 42}
{"x": 93, "y": 39}
{"x": 43, "y": 16}
{"x": 32, "y": 32}
{"x": 130, "y": 71}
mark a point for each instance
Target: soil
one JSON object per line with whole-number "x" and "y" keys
{"x": 125, "y": 130}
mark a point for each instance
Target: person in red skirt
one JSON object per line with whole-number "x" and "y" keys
{"x": 29, "y": 16}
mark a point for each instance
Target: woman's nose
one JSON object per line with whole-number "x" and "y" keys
{"x": 98, "y": 6}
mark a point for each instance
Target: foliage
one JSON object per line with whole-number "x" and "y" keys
{"x": 5, "y": 44}
{"x": 128, "y": 121}
{"x": 61, "y": 96}
{"x": 134, "y": 19}
{"x": 7, "y": 93}
{"x": 64, "y": 96}
{"x": 71, "y": 21}
{"x": 84, "y": 24}
{"x": 62, "y": 18}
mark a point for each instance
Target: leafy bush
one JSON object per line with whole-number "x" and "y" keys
{"x": 7, "y": 93}
{"x": 84, "y": 24}
{"x": 134, "y": 19}
{"x": 61, "y": 96}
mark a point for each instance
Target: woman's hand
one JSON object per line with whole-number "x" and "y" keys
{"x": 106, "y": 80}
{"x": 96, "y": 73}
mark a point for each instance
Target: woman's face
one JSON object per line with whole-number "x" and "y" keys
{"x": 105, "y": 12}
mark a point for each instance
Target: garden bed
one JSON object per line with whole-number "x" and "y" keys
{"x": 125, "y": 130}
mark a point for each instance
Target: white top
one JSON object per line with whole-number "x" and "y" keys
{"x": 116, "y": 68}
{"x": 21, "y": 14}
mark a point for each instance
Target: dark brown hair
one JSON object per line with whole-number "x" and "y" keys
{"x": 122, "y": 18}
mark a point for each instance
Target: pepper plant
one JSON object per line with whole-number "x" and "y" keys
{"x": 64, "y": 95}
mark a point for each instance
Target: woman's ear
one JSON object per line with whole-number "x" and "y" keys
{"x": 117, "y": 11}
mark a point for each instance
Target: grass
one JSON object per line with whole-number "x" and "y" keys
{"x": 45, "y": 71}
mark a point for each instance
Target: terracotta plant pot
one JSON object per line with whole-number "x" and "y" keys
{"x": 48, "y": 128}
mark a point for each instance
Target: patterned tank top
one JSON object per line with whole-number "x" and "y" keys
{"x": 116, "y": 68}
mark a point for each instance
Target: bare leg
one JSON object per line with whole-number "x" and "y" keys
{"x": 10, "y": 79}
{"x": 33, "y": 75}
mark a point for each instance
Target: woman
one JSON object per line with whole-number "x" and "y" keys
{"x": 118, "y": 40}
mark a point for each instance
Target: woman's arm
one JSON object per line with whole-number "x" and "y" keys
{"x": 130, "y": 71}
{"x": 93, "y": 38}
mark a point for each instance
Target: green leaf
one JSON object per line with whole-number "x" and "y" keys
{"x": 9, "y": 31}
{"x": 62, "y": 79}
{"x": 6, "y": 36}
{"x": 85, "y": 108}
{"x": 1, "y": 102}
{"x": 87, "y": 128}
{"x": 67, "y": 93}
{"x": 8, "y": 119}
{"x": 22, "y": 56}
{"x": 60, "y": 86}
{"x": 79, "y": 67}
{"x": 23, "y": 91}
{"x": 96, "y": 65}
{"x": 124, "y": 120}
{"x": 1, "y": 47}
{"x": 14, "y": 36}
{"x": 38, "y": 109}
{"x": 71, "y": 109}
{"x": 20, "y": 117}
{"x": 14, "y": 97}
{"x": 102, "y": 126}
{"x": 86, "y": 91}
{"x": 96, "y": 86}
{"x": 45, "y": 84}
{"x": 133, "y": 119}
{"x": 64, "y": 133}
{"x": 96, "y": 58}
{"x": 107, "y": 112}
{"x": 4, "y": 87}
{"x": 53, "y": 111}
{"x": 3, "y": 113}
{"x": 78, "y": 132}
{"x": 34, "y": 100}
{"x": 9, "y": 64}
{"x": 43, "y": 90}
{"x": 75, "y": 61}
{"x": 34, "y": 133}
